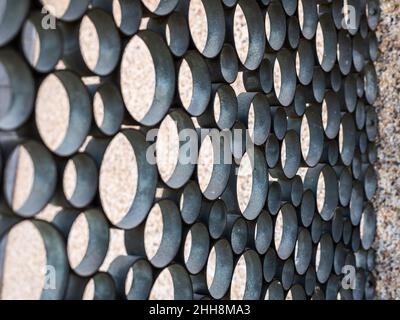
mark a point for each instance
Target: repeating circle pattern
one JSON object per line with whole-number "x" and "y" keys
{"x": 129, "y": 116}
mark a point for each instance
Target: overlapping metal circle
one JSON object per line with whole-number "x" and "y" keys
{"x": 286, "y": 230}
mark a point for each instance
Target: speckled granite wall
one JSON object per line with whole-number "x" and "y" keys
{"x": 387, "y": 203}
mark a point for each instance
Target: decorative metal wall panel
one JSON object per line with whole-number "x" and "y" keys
{"x": 289, "y": 216}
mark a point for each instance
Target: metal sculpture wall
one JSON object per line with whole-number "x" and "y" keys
{"x": 303, "y": 220}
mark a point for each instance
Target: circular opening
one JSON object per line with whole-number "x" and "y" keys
{"x": 275, "y": 25}
{"x": 310, "y": 281}
{"x": 119, "y": 171}
{"x": 344, "y": 52}
{"x": 80, "y": 179}
{"x": 347, "y": 230}
{"x": 194, "y": 83}
{"x": 331, "y": 115}
{"x": 368, "y": 227}
{"x": 173, "y": 283}
{"x": 207, "y": 26}
{"x": 254, "y": 111}
{"x": 88, "y": 242}
{"x": 274, "y": 197}
{"x": 307, "y": 208}
{"x": 347, "y": 139}
{"x": 239, "y": 279}
{"x": 42, "y": 47}
{"x": 147, "y": 77}
{"x": 248, "y": 20}
{"x": 345, "y": 186}
{"x": 359, "y": 46}
{"x": 319, "y": 39}
{"x": 326, "y": 42}
{"x": 245, "y": 182}
{"x": 108, "y": 109}
{"x": 308, "y": 17}
{"x": 269, "y": 265}
{"x": 174, "y": 168}
{"x": 350, "y": 93}
{"x": 225, "y": 107}
{"x": 316, "y": 228}
{"x": 303, "y": 251}
{"x": 247, "y": 277}
{"x": 339, "y": 258}
{"x": 205, "y": 164}
{"x": 360, "y": 86}
{"x": 279, "y": 122}
{"x": 133, "y": 277}
{"x": 16, "y": 90}
{"x": 162, "y": 233}
{"x": 324, "y": 258}
{"x": 370, "y": 83}
{"x": 239, "y": 235}
{"x": 196, "y": 248}
{"x": 177, "y": 34}
{"x": 252, "y": 183}
{"x": 285, "y": 231}
{"x": 63, "y": 112}
{"x": 318, "y": 84}
{"x": 99, "y": 42}
{"x": 370, "y": 182}
{"x": 24, "y": 243}
{"x": 217, "y": 219}
{"x": 127, "y": 15}
{"x": 45, "y": 276}
{"x": 337, "y": 225}
{"x": 293, "y": 32}
{"x": 296, "y": 191}
{"x": 30, "y": 178}
{"x": 229, "y": 63}
{"x": 100, "y": 287}
{"x": 190, "y": 202}
{"x": 373, "y": 46}
{"x": 326, "y": 191}
{"x": 125, "y": 167}
{"x": 356, "y": 202}
{"x": 263, "y": 232}
{"x": 272, "y": 151}
{"x": 305, "y": 62}
{"x": 277, "y": 78}
{"x": 219, "y": 269}
{"x": 290, "y": 154}
{"x": 213, "y": 165}
{"x": 305, "y": 137}
{"x": 285, "y": 82}
{"x": 287, "y": 275}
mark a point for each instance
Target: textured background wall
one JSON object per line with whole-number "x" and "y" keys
{"x": 388, "y": 195}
